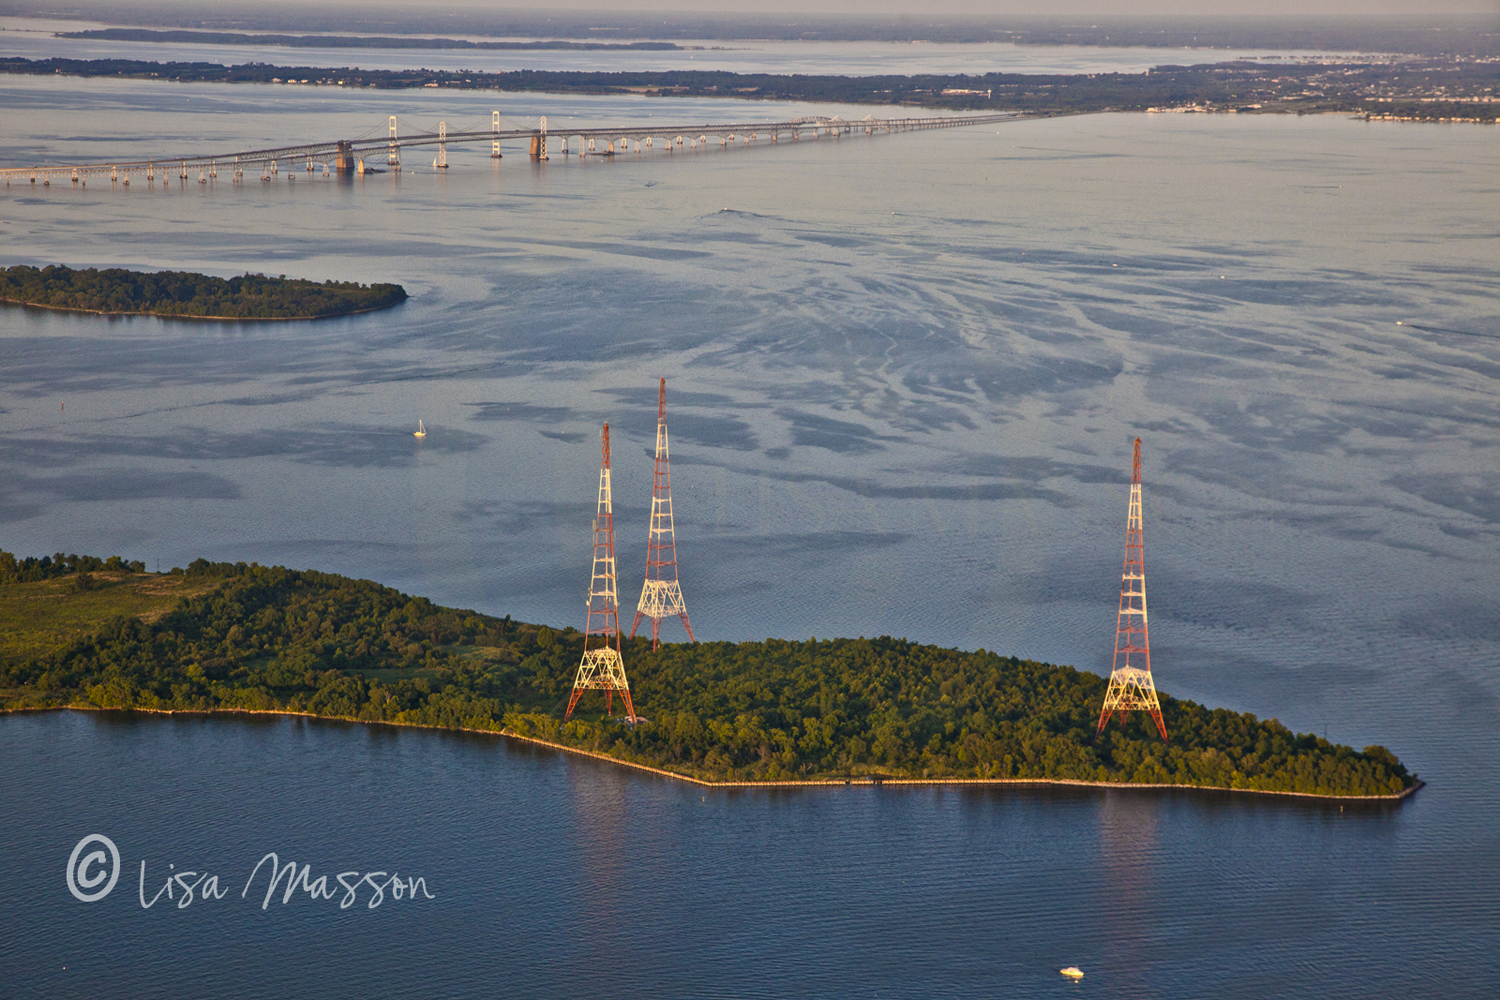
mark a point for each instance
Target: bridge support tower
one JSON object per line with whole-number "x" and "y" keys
{"x": 539, "y": 140}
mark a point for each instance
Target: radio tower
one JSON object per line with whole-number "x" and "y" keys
{"x": 661, "y": 595}
{"x": 1130, "y": 684}
{"x": 603, "y": 669}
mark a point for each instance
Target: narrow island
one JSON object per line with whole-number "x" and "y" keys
{"x": 89, "y": 633}
{"x": 186, "y": 295}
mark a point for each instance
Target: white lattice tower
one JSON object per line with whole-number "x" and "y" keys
{"x": 1130, "y": 685}
{"x": 442, "y": 158}
{"x": 394, "y": 158}
{"x": 495, "y": 130}
{"x": 661, "y": 594}
{"x": 602, "y": 667}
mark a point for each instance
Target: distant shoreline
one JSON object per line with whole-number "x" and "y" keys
{"x": 1422, "y": 89}
{"x": 852, "y": 780}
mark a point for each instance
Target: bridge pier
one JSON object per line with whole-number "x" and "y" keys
{"x": 344, "y": 158}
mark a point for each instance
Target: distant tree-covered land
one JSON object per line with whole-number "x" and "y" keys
{"x": 1448, "y": 88}
{"x": 274, "y": 639}
{"x": 185, "y": 294}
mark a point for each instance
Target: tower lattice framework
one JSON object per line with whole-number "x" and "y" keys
{"x": 602, "y": 667}
{"x": 1130, "y": 685}
{"x": 661, "y": 595}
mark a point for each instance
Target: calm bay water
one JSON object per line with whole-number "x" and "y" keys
{"x": 903, "y": 375}
{"x": 558, "y": 877}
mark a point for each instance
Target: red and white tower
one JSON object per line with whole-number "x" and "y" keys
{"x": 661, "y": 595}
{"x": 1130, "y": 684}
{"x": 603, "y": 668}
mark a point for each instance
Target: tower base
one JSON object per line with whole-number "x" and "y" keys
{"x": 660, "y": 600}
{"x": 601, "y": 670}
{"x": 1132, "y": 690}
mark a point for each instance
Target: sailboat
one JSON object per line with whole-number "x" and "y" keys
{"x": 421, "y": 431}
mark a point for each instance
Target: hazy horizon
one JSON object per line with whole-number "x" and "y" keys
{"x": 853, "y": 10}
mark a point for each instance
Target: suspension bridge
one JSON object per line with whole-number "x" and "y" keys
{"x": 383, "y": 151}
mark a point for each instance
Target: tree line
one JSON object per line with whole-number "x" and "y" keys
{"x": 32, "y": 569}
{"x": 270, "y": 638}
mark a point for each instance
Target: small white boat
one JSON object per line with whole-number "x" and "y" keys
{"x": 421, "y": 431}
{"x": 1072, "y": 972}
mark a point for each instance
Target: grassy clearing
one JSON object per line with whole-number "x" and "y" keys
{"x": 40, "y": 618}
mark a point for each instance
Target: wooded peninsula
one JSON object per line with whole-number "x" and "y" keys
{"x": 223, "y": 637}
{"x": 184, "y": 294}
